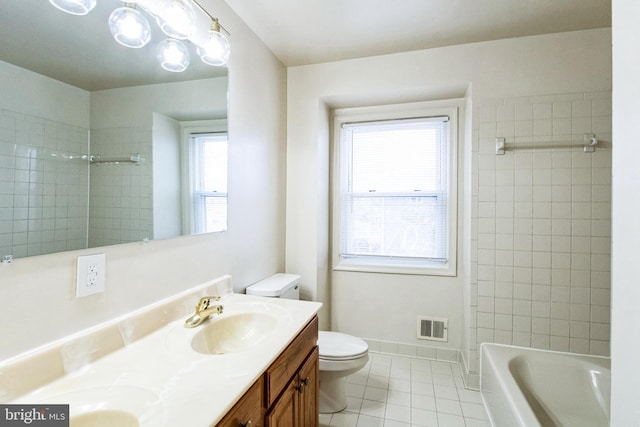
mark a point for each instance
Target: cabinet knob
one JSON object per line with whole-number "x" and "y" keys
{"x": 246, "y": 424}
{"x": 303, "y": 383}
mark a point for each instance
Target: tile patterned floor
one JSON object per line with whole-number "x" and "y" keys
{"x": 398, "y": 391}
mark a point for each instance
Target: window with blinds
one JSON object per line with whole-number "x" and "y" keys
{"x": 394, "y": 192}
{"x": 208, "y": 152}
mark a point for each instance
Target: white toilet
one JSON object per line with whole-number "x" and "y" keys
{"x": 340, "y": 354}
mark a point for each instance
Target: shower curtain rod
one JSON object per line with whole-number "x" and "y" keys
{"x": 588, "y": 144}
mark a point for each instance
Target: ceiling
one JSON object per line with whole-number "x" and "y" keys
{"x": 302, "y": 32}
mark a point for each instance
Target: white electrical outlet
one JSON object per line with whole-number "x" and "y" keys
{"x": 90, "y": 275}
{"x": 92, "y": 280}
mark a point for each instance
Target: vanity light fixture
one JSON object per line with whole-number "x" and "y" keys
{"x": 215, "y": 50}
{"x": 176, "y": 18}
{"x": 129, "y": 27}
{"x": 74, "y": 7}
{"x": 173, "y": 55}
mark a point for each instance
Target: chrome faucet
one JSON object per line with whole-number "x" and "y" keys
{"x": 204, "y": 310}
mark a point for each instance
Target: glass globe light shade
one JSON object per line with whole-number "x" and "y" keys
{"x": 215, "y": 50}
{"x": 176, "y": 18}
{"x": 129, "y": 27}
{"x": 74, "y": 7}
{"x": 173, "y": 55}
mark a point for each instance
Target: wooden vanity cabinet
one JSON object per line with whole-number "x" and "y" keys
{"x": 298, "y": 404}
{"x": 287, "y": 394}
{"x": 309, "y": 379}
{"x": 292, "y": 382}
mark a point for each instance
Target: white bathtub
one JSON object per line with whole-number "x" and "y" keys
{"x": 527, "y": 387}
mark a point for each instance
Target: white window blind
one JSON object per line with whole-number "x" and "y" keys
{"x": 394, "y": 190}
{"x": 209, "y": 182}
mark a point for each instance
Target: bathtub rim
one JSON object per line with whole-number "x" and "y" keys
{"x": 526, "y": 416}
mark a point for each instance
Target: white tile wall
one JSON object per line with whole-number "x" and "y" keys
{"x": 43, "y": 185}
{"x": 121, "y": 194}
{"x": 541, "y": 225}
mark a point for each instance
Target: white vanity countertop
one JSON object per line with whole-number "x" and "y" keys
{"x": 158, "y": 377}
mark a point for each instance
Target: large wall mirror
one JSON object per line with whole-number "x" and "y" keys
{"x": 97, "y": 141}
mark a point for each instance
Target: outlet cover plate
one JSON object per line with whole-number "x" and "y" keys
{"x": 90, "y": 275}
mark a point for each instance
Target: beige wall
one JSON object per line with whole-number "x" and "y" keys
{"x": 43, "y": 98}
{"x": 384, "y": 307}
{"x": 37, "y": 293}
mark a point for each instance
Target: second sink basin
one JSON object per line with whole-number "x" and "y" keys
{"x": 234, "y": 332}
{"x": 104, "y": 418}
{"x": 111, "y": 405}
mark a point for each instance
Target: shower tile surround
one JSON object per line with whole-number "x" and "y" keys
{"x": 43, "y": 182}
{"x": 541, "y": 226}
{"x": 43, "y": 186}
{"x": 121, "y": 196}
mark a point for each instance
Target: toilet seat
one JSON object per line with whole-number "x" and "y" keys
{"x": 336, "y": 346}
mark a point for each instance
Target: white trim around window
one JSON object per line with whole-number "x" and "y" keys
{"x": 434, "y": 203}
{"x": 190, "y": 220}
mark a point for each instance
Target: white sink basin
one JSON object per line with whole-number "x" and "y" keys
{"x": 112, "y": 406}
{"x": 105, "y": 418}
{"x": 234, "y": 332}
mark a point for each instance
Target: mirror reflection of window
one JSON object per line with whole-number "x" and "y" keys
{"x": 208, "y": 158}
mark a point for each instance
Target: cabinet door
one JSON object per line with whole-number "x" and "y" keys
{"x": 308, "y": 393}
{"x": 288, "y": 363}
{"x": 284, "y": 412}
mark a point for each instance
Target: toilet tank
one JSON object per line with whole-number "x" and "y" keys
{"x": 280, "y": 285}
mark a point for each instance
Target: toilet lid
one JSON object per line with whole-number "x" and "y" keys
{"x": 339, "y": 346}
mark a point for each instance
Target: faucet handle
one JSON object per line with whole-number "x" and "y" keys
{"x": 204, "y": 302}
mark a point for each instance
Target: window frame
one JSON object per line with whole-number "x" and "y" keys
{"x": 188, "y": 129}
{"x": 397, "y": 112}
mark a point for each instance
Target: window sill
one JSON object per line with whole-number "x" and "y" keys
{"x": 426, "y": 269}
